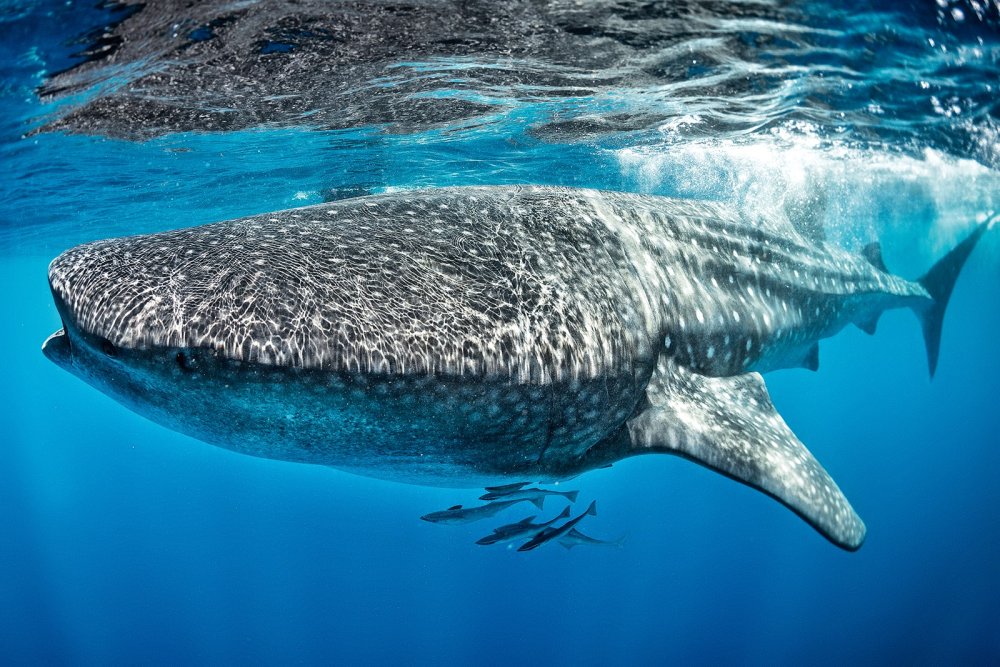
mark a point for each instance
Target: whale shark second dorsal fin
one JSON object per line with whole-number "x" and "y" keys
{"x": 730, "y": 425}
{"x": 869, "y": 323}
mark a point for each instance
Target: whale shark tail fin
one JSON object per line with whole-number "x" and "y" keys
{"x": 939, "y": 282}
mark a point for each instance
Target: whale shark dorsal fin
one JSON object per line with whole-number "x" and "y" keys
{"x": 731, "y": 426}
{"x": 454, "y": 507}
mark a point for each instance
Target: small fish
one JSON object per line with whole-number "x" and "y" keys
{"x": 522, "y": 528}
{"x": 550, "y": 533}
{"x": 528, "y": 494}
{"x": 575, "y": 537}
{"x": 459, "y": 514}
{"x": 504, "y": 488}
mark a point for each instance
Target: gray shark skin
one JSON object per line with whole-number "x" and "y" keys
{"x": 482, "y": 335}
{"x": 522, "y": 528}
{"x": 459, "y": 514}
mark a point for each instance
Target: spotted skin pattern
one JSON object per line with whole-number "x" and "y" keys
{"x": 730, "y": 425}
{"x": 530, "y": 284}
{"x": 473, "y": 335}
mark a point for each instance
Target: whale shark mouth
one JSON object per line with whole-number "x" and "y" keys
{"x": 58, "y": 348}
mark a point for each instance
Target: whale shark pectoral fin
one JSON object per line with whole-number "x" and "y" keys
{"x": 731, "y": 426}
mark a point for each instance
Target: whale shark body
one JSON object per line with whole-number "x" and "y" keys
{"x": 482, "y": 335}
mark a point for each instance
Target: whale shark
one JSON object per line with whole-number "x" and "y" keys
{"x": 481, "y": 336}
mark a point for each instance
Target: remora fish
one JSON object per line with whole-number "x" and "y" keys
{"x": 505, "y": 488}
{"x": 522, "y": 528}
{"x": 528, "y": 494}
{"x": 481, "y": 335}
{"x": 554, "y": 533}
{"x": 575, "y": 537}
{"x": 459, "y": 514}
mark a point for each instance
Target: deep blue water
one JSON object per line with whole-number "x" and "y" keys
{"x": 124, "y": 543}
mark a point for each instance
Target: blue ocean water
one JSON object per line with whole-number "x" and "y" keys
{"x": 125, "y": 543}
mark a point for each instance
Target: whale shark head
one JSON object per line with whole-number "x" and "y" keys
{"x": 76, "y": 347}
{"x": 95, "y": 290}
{"x": 137, "y": 320}
{"x": 222, "y": 342}
{"x": 118, "y": 335}
{"x": 95, "y": 360}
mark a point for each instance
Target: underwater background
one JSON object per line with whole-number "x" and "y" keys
{"x": 125, "y": 543}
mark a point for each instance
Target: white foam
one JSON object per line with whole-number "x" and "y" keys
{"x": 926, "y": 202}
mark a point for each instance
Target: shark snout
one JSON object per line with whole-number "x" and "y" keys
{"x": 58, "y": 348}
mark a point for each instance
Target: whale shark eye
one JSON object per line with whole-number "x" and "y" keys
{"x": 182, "y": 361}
{"x": 108, "y": 348}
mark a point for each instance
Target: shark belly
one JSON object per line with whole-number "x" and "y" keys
{"x": 427, "y": 429}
